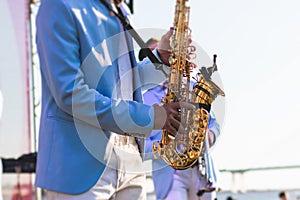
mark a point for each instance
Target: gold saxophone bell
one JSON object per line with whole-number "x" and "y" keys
{"x": 183, "y": 150}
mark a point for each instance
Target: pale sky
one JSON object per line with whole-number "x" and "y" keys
{"x": 257, "y": 43}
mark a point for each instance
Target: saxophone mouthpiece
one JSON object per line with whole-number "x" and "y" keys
{"x": 213, "y": 68}
{"x": 215, "y": 59}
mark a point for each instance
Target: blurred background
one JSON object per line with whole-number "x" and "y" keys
{"x": 257, "y": 43}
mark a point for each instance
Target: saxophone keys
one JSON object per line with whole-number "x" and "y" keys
{"x": 199, "y": 139}
{"x": 193, "y": 153}
{"x": 172, "y": 60}
{"x": 171, "y": 137}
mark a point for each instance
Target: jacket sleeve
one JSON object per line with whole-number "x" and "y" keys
{"x": 59, "y": 51}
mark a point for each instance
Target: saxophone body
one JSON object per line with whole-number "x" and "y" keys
{"x": 184, "y": 150}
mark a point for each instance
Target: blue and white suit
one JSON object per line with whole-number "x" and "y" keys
{"x": 78, "y": 49}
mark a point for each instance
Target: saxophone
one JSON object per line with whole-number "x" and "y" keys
{"x": 183, "y": 150}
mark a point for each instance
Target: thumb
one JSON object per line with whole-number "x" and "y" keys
{"x": 170, "y": 32}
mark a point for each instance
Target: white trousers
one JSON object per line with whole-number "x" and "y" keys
{"x": 186, "y": 184}
{"x": 122, "y": 179}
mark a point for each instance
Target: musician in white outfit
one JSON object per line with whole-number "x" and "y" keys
{"x": 171, "y": 184}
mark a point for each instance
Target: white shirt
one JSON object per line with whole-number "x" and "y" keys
{"x": 125, "y": 86}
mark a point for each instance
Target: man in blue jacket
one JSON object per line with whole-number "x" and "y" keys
{"x": 92, "y": 120}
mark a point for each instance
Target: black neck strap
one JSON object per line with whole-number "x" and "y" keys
{"x": 158, "y": 65}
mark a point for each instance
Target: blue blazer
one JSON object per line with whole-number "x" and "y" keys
{"x": 78, "y": 44}
{"x": 162, "y": 174}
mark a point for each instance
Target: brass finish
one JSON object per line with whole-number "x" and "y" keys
{"x": 183, "y": 151}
